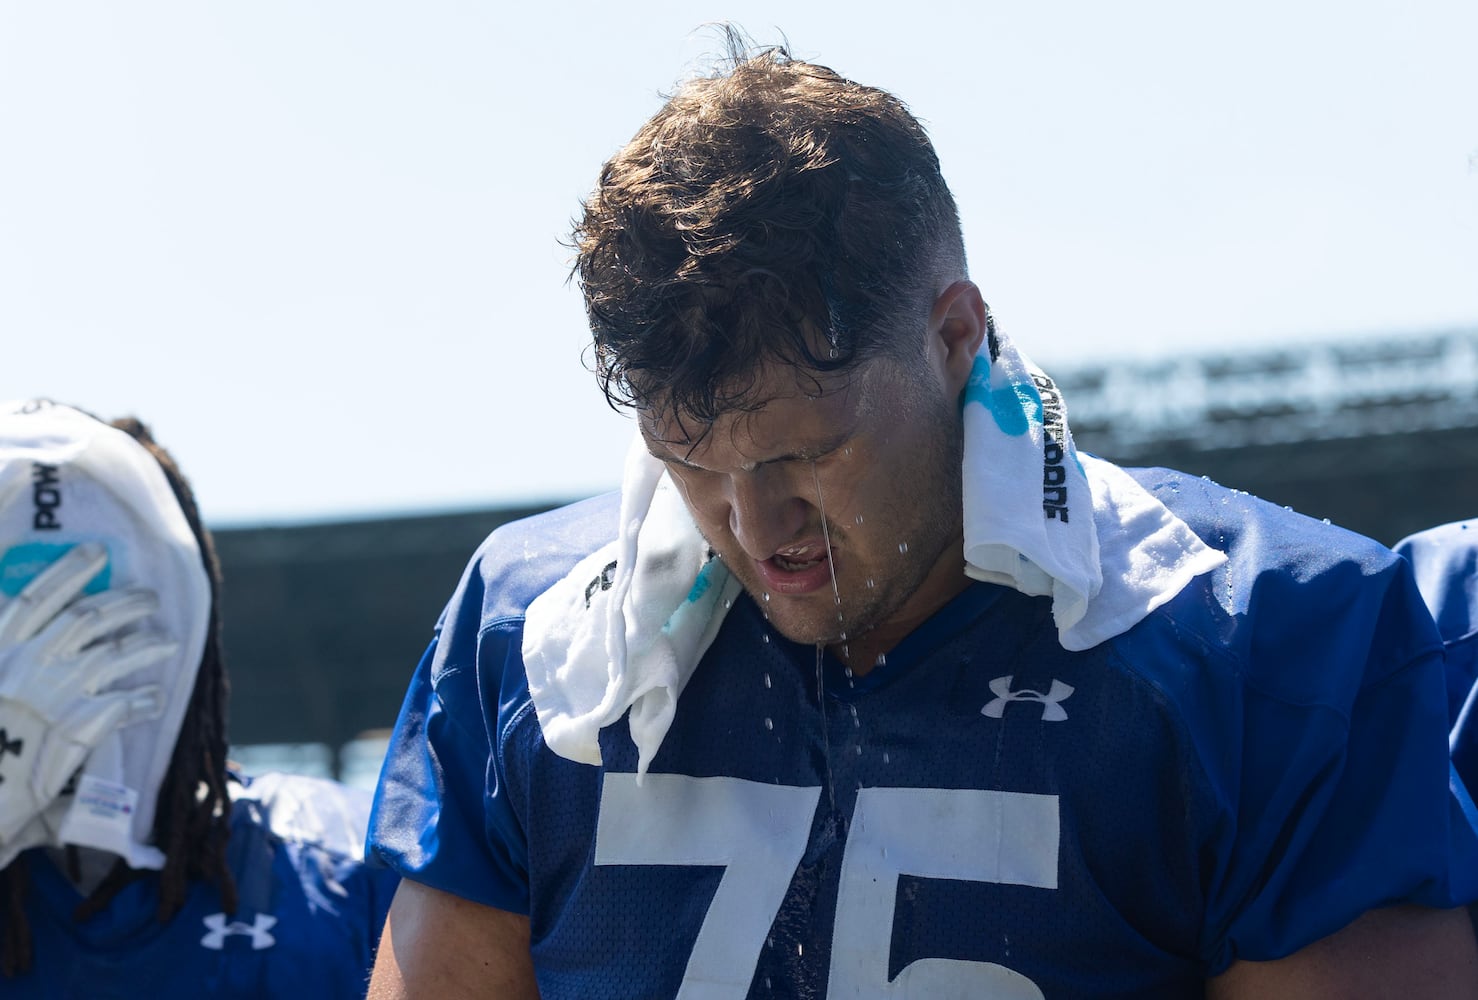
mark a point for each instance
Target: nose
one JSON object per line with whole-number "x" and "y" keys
{"x": 765, "y": 512}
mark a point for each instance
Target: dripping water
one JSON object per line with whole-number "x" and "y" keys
{"x": 826, "y": 536}
{"x": 836, "y": 594}
{"x": 831, "y": 790}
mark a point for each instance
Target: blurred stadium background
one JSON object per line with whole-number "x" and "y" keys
{"x": 325, "y": 621}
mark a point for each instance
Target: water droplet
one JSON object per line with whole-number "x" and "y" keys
{"x": 728, "y": 604}
{"x": 886, "y": 758}
{"x": 767, "y": 680}
{"x": 767, "y": 598}
{"x": 769, "y": 723}
{"x": 800, "y": 950}
{"x": 1326, "y": 520}
{"x": 855, "y": 721}
{"x": 765, "y": 636}
{"x": 847, "y": 451}
{"x": 859, "y": 749}
{"x": 902, "y": 546}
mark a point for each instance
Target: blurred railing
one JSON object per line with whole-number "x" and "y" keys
{"x": 1313, "y": 392}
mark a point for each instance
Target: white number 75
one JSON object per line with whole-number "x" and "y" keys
{"x": 758, "y": 833}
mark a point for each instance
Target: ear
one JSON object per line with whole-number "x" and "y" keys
{"x": 957, "y": 329}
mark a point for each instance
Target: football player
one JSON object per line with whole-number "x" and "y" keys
{"x": 770, "y": 723}
{"x": 136, "y": 862}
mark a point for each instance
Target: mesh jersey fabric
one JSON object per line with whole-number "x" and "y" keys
{"x": 309, "y": 915}
{"x": 1246, "y": 771}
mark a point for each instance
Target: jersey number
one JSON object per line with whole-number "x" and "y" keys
{"x": 758, "y": 834}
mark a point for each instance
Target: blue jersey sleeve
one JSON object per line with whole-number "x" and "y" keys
{"x": 442, "y": 816}
{"x": 445, "y": 813}
{"x": 1326, "y": 754}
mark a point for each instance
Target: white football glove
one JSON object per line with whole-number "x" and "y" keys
{"x": 58, "y": 650}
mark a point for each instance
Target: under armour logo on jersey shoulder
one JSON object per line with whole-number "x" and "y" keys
{"x": 1052, "y": 710}
{"x": 219, "y": 929}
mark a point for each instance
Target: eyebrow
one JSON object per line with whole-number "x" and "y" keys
{"x": 827, "y": 447}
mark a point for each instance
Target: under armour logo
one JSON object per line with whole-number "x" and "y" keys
{"x": 220, "y": 929}
{"x": 1052, "y": 710}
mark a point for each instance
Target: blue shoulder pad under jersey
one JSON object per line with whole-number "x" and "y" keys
{"x": 1322, "y": 737}
{"x": 1445, "y": 561}
{"x": 441, "y": 814}
{"x": 308, "y": 916}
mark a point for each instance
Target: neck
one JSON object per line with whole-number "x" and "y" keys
{"x": 945, "y": 582}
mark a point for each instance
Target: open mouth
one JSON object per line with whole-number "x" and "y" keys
{"x": 799, "y": 569}
{"x": 792, "y": 564}
{"x": 800, "y": 558}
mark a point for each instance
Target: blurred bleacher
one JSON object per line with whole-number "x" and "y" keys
{"x": 324, "y": 622}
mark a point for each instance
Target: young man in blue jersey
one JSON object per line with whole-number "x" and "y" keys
{"x": 867, "y": 684}
{"x": 133, "y": 862}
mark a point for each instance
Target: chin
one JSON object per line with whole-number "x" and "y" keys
{"x": 810, "y": 631}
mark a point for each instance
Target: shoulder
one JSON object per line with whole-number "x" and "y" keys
{"x": 1445, "y": 561}
{"x": 303, "y": 810}
{"x": 522, "y": 559}
{"x": 297, "y": 852}
{"x": 1303, "y": 610}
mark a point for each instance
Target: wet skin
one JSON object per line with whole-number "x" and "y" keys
{"x": 837, "y": 502}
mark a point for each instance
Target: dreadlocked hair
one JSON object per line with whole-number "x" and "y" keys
{"x": 774, "y": 212}
{"x": 193, "y": 812}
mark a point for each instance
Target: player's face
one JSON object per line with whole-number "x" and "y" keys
{"x": 836, "y": 503}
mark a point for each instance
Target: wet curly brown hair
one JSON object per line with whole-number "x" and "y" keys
{"x": 772, "y": 212}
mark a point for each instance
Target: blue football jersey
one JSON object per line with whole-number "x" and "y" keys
{"x": 1445, "y": 560}
{"x": 1246, "y": 771}
{"x": 309, "y": 915}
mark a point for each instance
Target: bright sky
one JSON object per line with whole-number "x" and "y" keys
{"x": 318, "y": 245}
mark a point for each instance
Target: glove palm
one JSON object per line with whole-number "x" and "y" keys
{"x": 59, "y": 651}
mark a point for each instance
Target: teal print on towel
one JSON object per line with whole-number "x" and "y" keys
{"x": 701, "y": 585}
{"x": 20, "y": 564}
{"x": 1016, "y": 406}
